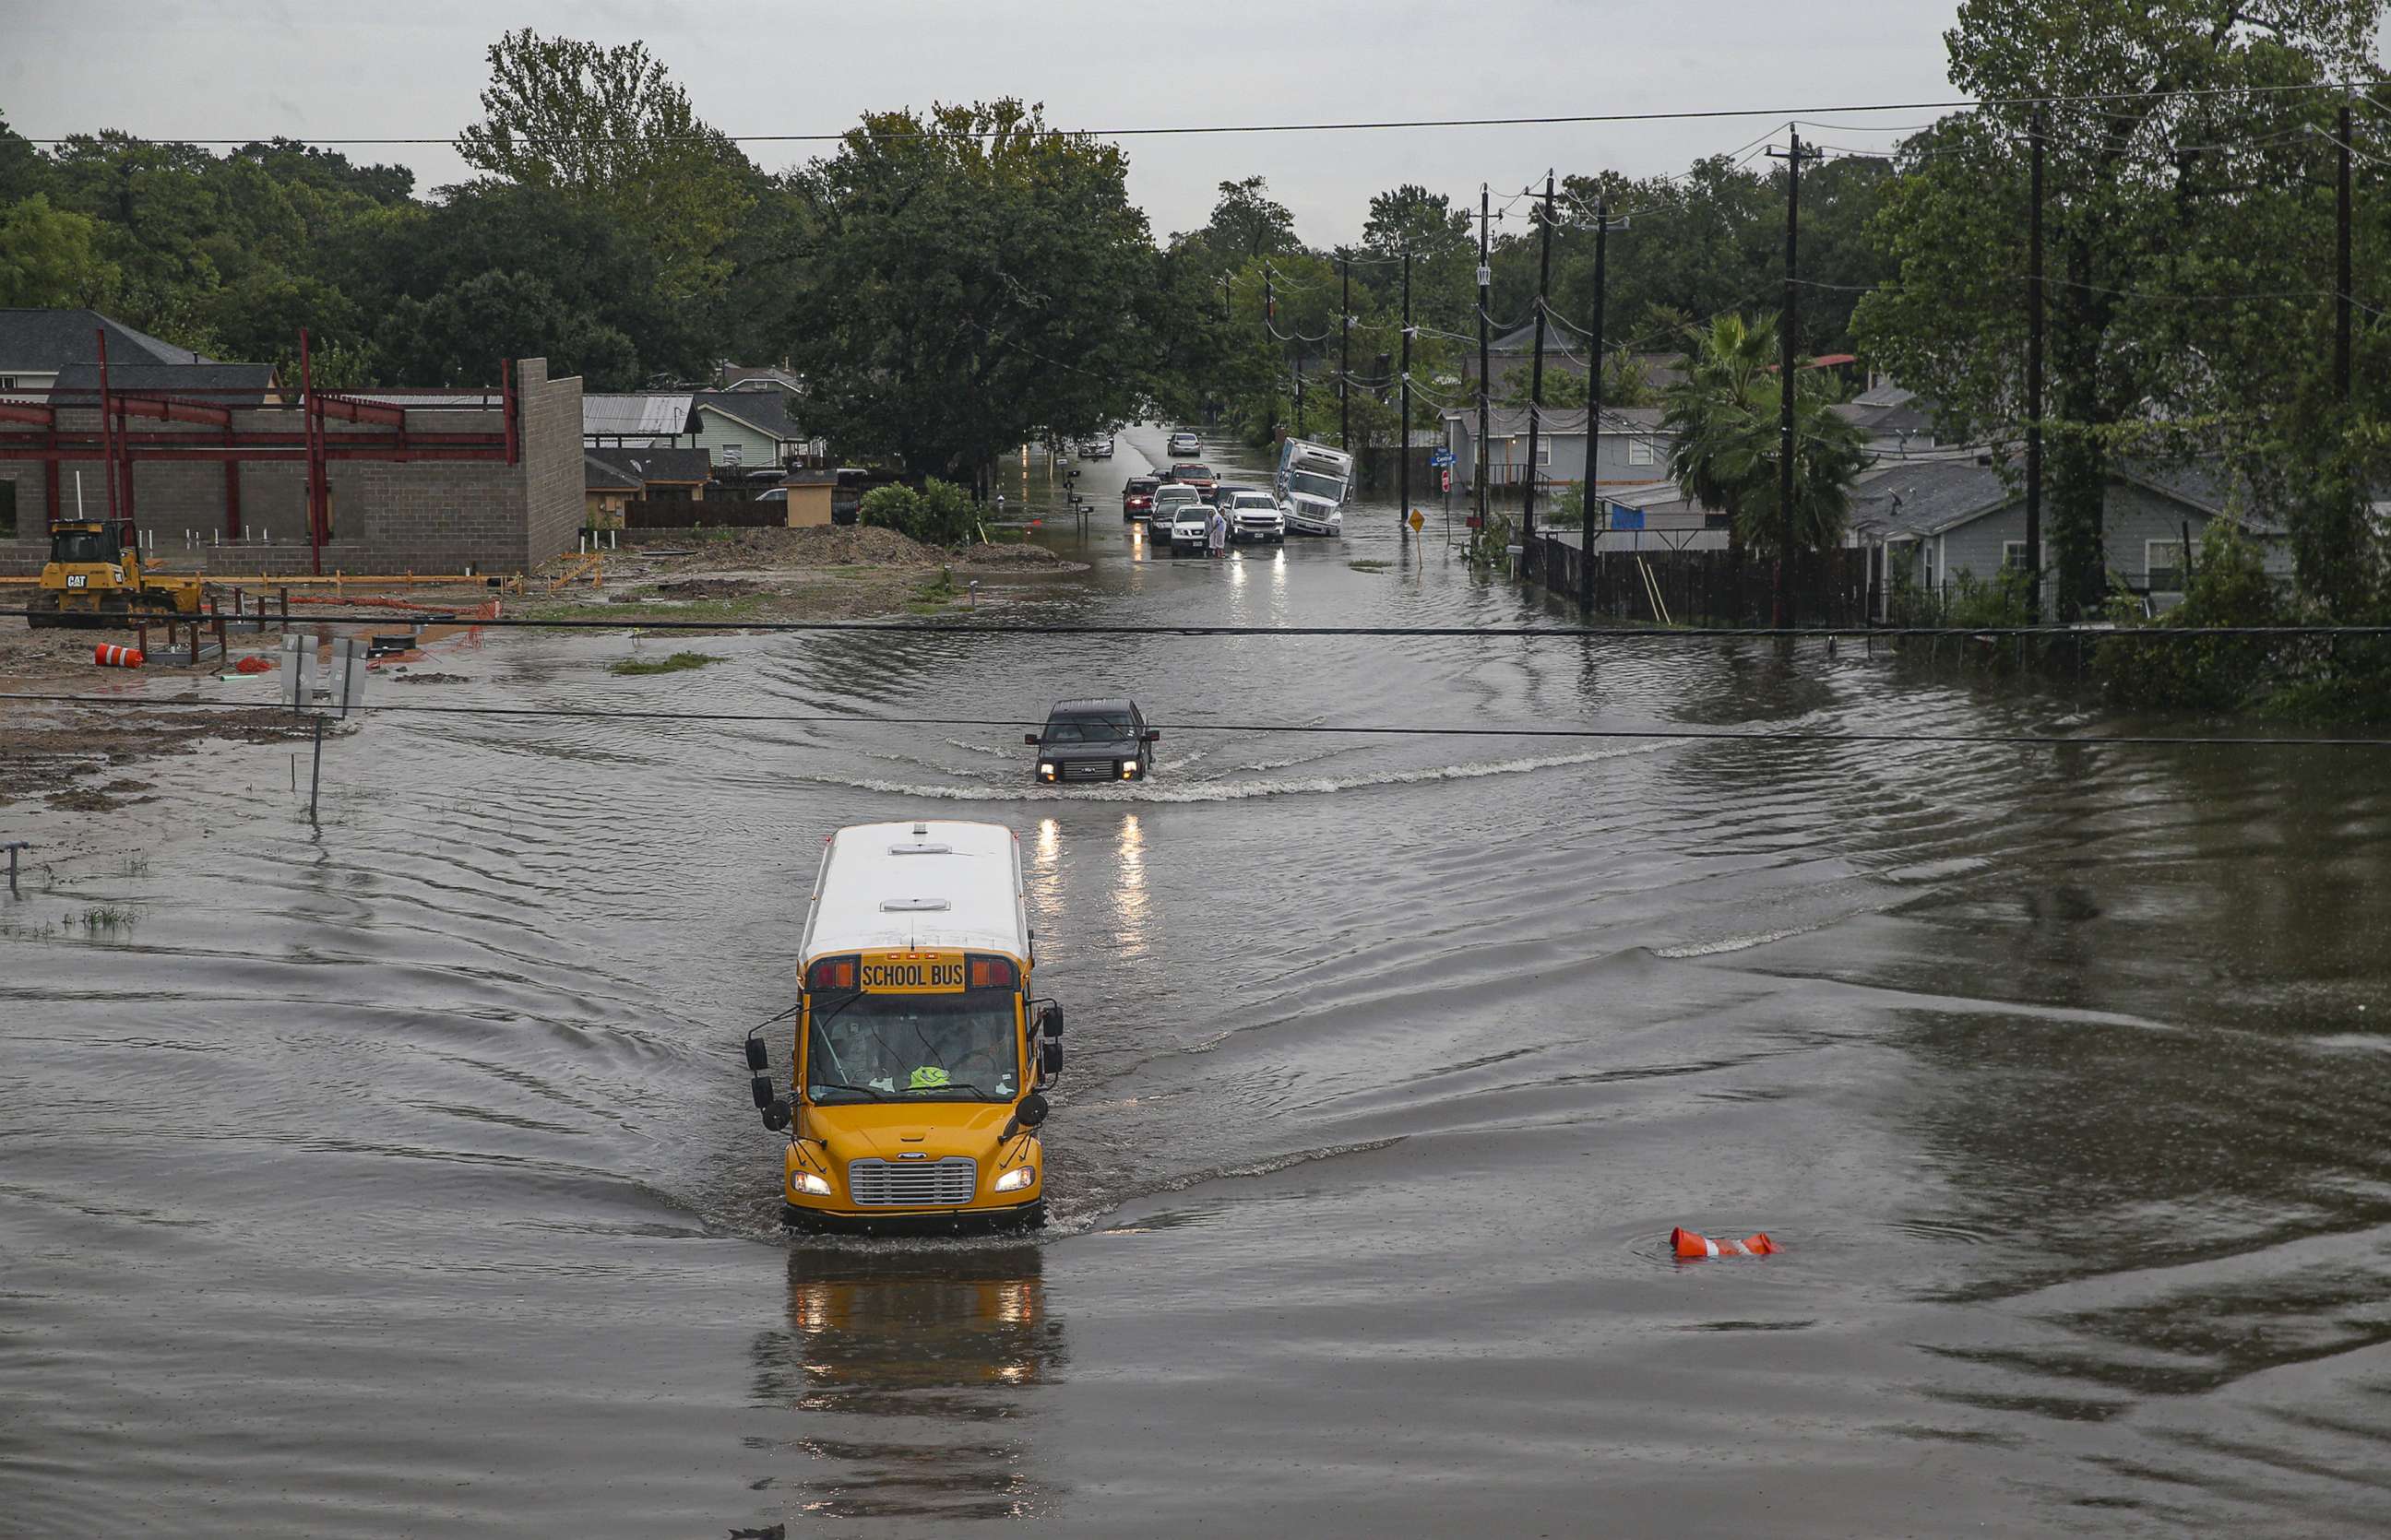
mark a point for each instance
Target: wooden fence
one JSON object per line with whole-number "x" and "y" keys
{"x": 719, "y": 513}
{"x": 1707, "y": 587}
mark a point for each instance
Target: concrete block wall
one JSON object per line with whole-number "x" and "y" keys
{"x": 422, "y": 515}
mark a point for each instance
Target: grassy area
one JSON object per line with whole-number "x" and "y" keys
{"x": 1369, "y": 566}
{"x": 678, "y": 662}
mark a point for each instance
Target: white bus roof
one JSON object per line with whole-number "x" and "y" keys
{"x": 926, "y": 883}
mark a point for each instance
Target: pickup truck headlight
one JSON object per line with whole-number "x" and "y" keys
{"x": 807, "y": 1182}
{"x": 1128, "y": 769}
{"x": 1016, "y": 1179}
{"x": 1046, "y": 770}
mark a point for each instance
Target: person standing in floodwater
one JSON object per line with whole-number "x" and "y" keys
{"x": 1217, "y": 531}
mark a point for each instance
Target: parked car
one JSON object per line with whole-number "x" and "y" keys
{"x": 1169, "y": 499}
{"x": 1254, "y": 515}
{"x": 1185, "y": 443}
{"x": 1137, "y": 496}
{"x": 1188, "y": 473}
{"x": 1093, "y": 740}
{"x": 778, "y": 495}
{"x": 1097, "y": 449}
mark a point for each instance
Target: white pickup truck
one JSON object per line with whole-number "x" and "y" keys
{"x": 1191, "y": 528}
{"x": 1255, "y": 515}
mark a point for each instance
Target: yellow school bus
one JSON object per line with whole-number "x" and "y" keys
{"x": 919, "y": 1056}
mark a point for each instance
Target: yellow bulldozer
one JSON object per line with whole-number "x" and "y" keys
{"x": 95, "y": 577}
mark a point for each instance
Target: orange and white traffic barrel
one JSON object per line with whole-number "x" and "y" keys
{"x": 1690, "y": 1246}
{"x": 109, "y": 655}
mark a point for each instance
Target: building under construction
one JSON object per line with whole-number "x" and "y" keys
{"x": 249, "y": 473}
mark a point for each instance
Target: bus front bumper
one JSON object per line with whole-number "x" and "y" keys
{"x": 1008, "y": 1216}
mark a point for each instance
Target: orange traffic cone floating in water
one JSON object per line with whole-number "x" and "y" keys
{"x": 1689, "y": 1246}
{"x": 109, "y": 655}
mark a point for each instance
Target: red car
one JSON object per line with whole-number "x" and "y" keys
{"x": 1137, "y": 497}
{"x": 1188, "y": 473}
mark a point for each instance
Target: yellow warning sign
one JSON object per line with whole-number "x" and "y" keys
{"x": 1417, "y": 521}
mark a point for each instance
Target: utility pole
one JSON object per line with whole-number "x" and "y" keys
{"x": 1536, "y": 380}
{"x": 1786, "y": 478}
{"x": 1270, "y": 329}
{"x": 1593, "y": 500}
{"x": 1404, "y": 437}
{"x": 2034, "y": 325}
{"x": 1485, "y": 302}
{"x": 2342, "y": 281}
{"x": 1344, "y": 349}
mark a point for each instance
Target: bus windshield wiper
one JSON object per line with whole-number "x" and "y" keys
{"x": 842, "y": 1085}
{"x": 952, "y": 1085}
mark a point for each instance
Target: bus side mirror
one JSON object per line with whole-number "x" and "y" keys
{"x": 1050, "y": 1058}
{"x": 762, "y": 1088}
{"x": 1029, "y": 1114}
{"x": 760, "y": 1057}
{"x": 1052, "y": 1022}
{"x": 1030, "y": 738}
{"x": 776, "y": 1117}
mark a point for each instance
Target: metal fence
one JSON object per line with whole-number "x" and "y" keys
{"x": 1706, "y": 587}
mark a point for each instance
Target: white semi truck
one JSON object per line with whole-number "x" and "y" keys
{"x": 1313, "y": 481}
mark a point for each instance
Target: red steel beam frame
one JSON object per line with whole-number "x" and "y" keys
{"x": 308, "y": 405}
{"x": 108, "y": 458}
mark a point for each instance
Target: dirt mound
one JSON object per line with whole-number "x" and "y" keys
{"x": 830, "y": 546}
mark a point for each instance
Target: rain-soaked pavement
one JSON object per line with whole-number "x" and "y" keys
{"x": 401, "y": 1179}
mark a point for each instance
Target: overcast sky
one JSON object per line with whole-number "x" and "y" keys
{"x": 216, "y": 68}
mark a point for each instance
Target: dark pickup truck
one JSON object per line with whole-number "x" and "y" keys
{"x": 1090, "y": 741}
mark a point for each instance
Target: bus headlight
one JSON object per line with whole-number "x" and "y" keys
{"x": 807, "y": 1182}
{"x": 1016, "y": 1179}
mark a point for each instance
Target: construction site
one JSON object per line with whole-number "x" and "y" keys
{"x": 227, "y": 471}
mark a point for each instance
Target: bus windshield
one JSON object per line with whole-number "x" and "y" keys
{"x": 914, "y": 1047}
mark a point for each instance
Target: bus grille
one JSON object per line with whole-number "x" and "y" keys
{"x": 912, "y": 1184}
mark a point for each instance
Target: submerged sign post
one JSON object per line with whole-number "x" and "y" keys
{"x": 343, "y": 691}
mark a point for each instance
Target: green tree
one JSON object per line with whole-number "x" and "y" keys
{"x": 1729, "y": 448}
{"x": 972, "y": 280}
{"x": 610, "y": 125}
{"x": 2180, "y": 163}
{"x": 1247, "y": 221}
{"x": 50, "y": 257}
{"x": 459, "y": 336}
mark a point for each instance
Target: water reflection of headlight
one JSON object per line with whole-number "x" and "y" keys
{"x": 1017, "y": 1303}
{"x": 810, "y": 1307}
{"x": 1050, "y": 839}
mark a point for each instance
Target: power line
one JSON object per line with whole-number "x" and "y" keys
{"x": 1550, "y": 633}
{"x": 1955, "y": 104}
{"x": 1692, "y": 735}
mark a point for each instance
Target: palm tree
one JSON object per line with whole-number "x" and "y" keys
{"x": 1725, "y": 416}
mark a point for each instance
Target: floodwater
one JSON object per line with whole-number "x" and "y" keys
{"x": 400, "y": 1177}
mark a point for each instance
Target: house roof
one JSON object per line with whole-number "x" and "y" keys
{"x": 738, "y": 377}
{"x": 598, "y": 476}
{"x": 765, "y": 411}
{"x": 642, "y": 415}
{"x": 44, "y": 340}
{"x": 209, "y": 384}
{"x": 1928, "y": 497}
{"x": 642, "y": 466}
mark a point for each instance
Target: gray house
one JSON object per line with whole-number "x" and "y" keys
{"x": 1633, "y": 451}
{"x": 35, "y": 344}
{"x": 1939, "y": 519}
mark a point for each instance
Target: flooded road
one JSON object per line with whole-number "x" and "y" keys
{"x": 399, "y": 1177}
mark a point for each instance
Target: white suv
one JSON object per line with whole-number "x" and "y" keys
{"x": 1191, "y": 527}
{"x": 1255, "y": 515}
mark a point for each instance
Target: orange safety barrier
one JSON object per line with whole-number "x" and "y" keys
{"x": 1690, "y": 1246}
{"x": 109, "y": 655}
{"x": 254, "y": 665}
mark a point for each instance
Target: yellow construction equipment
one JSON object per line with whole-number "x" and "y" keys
{"x": 95, "y": 577}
